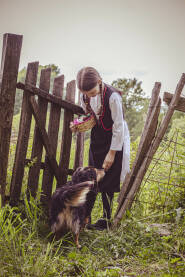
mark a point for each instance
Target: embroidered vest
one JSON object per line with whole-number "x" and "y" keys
{"x": 105, "y": 119}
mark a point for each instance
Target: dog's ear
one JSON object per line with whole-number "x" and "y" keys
{"x": 77, "y": 175}
{"x": 88, "y": 173}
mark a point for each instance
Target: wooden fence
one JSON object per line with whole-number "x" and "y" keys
{"x": 37, "y": 109}
{"x": 150, "y": 138}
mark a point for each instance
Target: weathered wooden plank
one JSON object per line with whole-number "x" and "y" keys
{"x": 167, "y": 97}
{"x": 67, "y": 134}
{"x": 46, "y": 142}
{"x": 145, "y": 141}
{"x": 37, "y": 147}
{"x": 79, "y": 151}
{"x": 53, "y": 129}
{"x": 23, "y": 136}
{"x": 149, "y": 136}
{"x": 8, "y": 78}
{"x": 153, "y": 101}
{"x": 65, "y": 104}
{"x": 156, "y": 142}
{"x": 124, "y": 199}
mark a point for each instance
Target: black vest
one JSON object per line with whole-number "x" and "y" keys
{"x": 106, "y": 119}
{"x": 101, "y": 137}
{"x": 101, "y": 134}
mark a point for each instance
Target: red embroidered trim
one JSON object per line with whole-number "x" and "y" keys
{"x": 104, "y": 113}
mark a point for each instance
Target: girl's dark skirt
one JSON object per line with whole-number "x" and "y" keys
{"x": 99, "y": 147}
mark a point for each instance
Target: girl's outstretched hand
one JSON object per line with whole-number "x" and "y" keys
{"x": 109, "y": 159}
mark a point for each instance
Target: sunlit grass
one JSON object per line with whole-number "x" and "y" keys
{"x": 27, "y": 248}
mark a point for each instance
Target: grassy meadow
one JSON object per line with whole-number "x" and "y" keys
{"x": 135, "y": 248}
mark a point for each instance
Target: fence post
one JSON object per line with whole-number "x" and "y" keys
{"x": 8, "y": 79}
{"x": 53, "y": 130}
{"x": 67, "y": 134}
{"x": 79, "y": 152}
{"x": 23, "y": 136}
{"x": 152, "y": 150}
{"x": 145, "y": 142}
{"x": 37, "y": 146}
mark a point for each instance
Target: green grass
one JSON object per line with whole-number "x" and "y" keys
{"x": 27, "y": 248}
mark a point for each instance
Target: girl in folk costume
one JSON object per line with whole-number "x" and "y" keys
{"x": 110, "y": 140}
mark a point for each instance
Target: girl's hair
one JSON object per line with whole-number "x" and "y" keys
{"x": 87, "y": 79}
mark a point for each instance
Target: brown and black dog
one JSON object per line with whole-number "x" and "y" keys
{"x": 69, "y": 207}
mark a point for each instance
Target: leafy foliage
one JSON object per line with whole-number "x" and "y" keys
{"x": 135, "y": 104}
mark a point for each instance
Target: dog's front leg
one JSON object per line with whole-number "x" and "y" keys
{"x": 76, "y": 240}
{"x": 86, "y": 221}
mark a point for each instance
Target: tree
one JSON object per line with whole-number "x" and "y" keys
{"x": 55, "y": 71}
{"x": 135, "y": 104}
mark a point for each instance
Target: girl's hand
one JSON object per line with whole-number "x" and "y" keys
{"x": 73, "y": 127}
{"x": 109, "y": 159}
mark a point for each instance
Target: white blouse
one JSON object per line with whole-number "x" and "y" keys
{"x": 120, "y": 132}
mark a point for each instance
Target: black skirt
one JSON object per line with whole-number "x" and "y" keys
{"x": 99, "y": 147}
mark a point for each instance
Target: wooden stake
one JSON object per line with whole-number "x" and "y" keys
{"x": 53, "y": 130}
{"x": 46, "y": 142}
{"x": 145, "y": 141}
{"x": 79, "y": 152}
{"x": 23, "y": 137}
{"x": 12, "y": 45}
{"x": 66, "y": 135}
{"x": 37, "y": 146}
{"x": 130, "y": 197}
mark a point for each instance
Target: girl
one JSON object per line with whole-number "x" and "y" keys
{"x": 110, "y": 140}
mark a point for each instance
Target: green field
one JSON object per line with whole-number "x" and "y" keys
{"x": 135, "y": 248}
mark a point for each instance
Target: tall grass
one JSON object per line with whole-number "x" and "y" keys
{"x": 27, "y": 248}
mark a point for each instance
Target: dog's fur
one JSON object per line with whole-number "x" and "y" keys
{"x": 69, "y": 204}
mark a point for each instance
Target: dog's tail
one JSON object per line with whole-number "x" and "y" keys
{"x": 75, "y": 195}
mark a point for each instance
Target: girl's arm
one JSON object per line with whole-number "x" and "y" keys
{"x": 115, "y": 103}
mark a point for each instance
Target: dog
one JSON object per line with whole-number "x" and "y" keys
{"x": 69, "y": 208}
